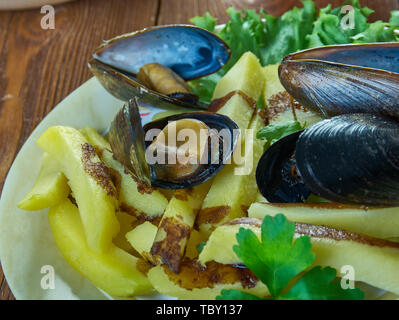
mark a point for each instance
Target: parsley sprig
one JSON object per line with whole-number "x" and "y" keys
{"x": 277, "y": 260}
{"x": 274, "y": 132}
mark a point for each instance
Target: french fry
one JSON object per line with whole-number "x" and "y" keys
{"x": 51, "y": 187}
{"x": 333, "y": 247}
{"x": 246, "y": 75}
{"x": 116, "y": 271}
{"x": 176, "y": 225}
{"x": 130, "y": 197}
{"x": 375, "y": 222}
{"x": 272, "y": 82}
{"x": 141, "y": 239}
{"x": 279, "y": 102}
{"x": 127, "y": 223}
{"x": 194, "y": 240}
{"x": 220, "y": 206}
{"x": 89, "y": 180}
{"x": 206, "y": 284}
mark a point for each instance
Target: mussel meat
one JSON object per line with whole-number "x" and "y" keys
{"x": 154, "y": 63}
{"x": 350, "y": 159}
{"x": 344, "y": 79}
{"x": 174, "y": 152}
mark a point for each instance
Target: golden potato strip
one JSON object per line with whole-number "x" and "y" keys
{"x": 51, "y": 187}
{"x": 374, "y": 222}
{"x": 116, "y": 271}
{"x": 89, "y": 180}
{"x": 195, "y": 239}
{"x": 127, "y": 223}
{"x": 146, "y": 206}
{"x": 333, "y": 247}
{"x": 141, "y": 239}
{"x": 220, "y": 206}
{"x": 280, "y": 107}
{"x": 195, "y": 282}
{"x": 246, "y": 75}
{"x": 176, "y": 225}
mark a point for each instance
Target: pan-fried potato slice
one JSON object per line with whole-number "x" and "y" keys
{"x": 272, "y": 82}
{"x": 238, "y": 109}
{"x": 127, "y": 223}
{"x": 196, "y": 283}
{"x": 375, "y": 261}
{"x": 142, "y": 237}
{"x": 195, "y": 239}
{"x": 220, "y": 206}
{"x": 176, "y": 225}
{"x": 116, "y": 271}
{"x": 246, "y": 75}
{"x": 374, "y": 222}
{"x": 51, "y": 187}
{"x": 278, "y": 102}
{"x": 131, "y": 198}
{"x": 89, "y": 180}
{"x": 244, "y": 82}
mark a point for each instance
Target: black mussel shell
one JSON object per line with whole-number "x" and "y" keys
{"x": 351, "y": 159}
{"x": 276, "y": 172}
{"x": 190, "y": 51}
{"x": 345, "y": 79}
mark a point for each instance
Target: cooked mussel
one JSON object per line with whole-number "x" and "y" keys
{"x": 174, "y": 152}
{"x": 350, "y": 159}
{"x": 358, "y": 78}
{"x": 157, "y": 61}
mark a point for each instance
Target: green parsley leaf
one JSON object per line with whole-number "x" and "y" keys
{"x": 276, "y": 259}
{"x": 320, "y": 284}
{"x": 275, "y": 132}
{"x": 233, "y": 294}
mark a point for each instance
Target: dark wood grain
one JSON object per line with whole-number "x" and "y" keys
{"x": 39, "y": 68}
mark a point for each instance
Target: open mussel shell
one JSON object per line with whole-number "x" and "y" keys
{"x": 350, "y": 159}
{"x": 334, "y": 80}
{"x": 126, "y": 138}
{"x": 129, "y": 145}
{"x": 189, "y": 51}
{"x": 125, "y": 87}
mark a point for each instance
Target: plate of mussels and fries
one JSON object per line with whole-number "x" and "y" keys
{"x": 253, "y": 160}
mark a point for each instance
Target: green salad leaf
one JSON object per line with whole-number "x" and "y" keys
{"x": 278, "y": 260}
{"x": 275, "y": 132}
{"x": 272, "y": 38}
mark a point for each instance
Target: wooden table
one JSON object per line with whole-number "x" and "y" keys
{"x": 39, "y": 68}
